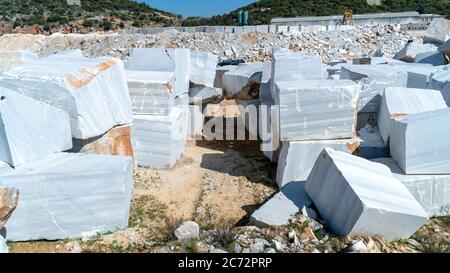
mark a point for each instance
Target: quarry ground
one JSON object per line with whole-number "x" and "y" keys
{"x": 218, "y": 184}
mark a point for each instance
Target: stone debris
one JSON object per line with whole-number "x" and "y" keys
{"x": 243, "y": 82}
{"x": 12, "y": 59}
{"x": 418, "y": 142}
{"x": 280, "y": 209}
{"x": 30, "y": 129}
{"x": 299, "y": 104}
{"x": 344, "y": 188}
{"x": 412, "y": 50}
{"x": 437, "y": 31}
{"x": 69, "y": 195}
{"x": 188, "y": 230}
{"x": 398, "y": 102}
{"x": 92, "y": 91}
{"x": 431, "y": 191}
{"x": 297, "y": 158}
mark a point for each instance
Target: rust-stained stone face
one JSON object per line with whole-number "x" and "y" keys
{"x": 9, "y": 197}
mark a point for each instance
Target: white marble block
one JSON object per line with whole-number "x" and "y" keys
{"x": 92, "y": 90}
{"x": 398, "y": 101}
{"x": 159, "y": 140}
{"x": 437, "y": 31}
{"x": 419, "y": 142}
{"x": 13, "y": 59}
{"x": 30, "y": 129}
{"x": 372, "y": 145}
{"x": 359, "y": 197}
{"x": 440, "y": 80}
{"x": 431, "y": 191}
{"x": 244, "y": 81}
{"x": 203, "y": 68}
{"x": 317, "y": 109}
{"x": 411, "y": 50}
{"x": 67, "y": 196}
{"x": 297, "y": 158}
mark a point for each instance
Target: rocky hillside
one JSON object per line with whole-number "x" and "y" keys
{"x": 49, "y": 16}
{"x": 263, "y": 11}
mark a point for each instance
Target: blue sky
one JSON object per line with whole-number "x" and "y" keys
{"x": 205, "y": 8}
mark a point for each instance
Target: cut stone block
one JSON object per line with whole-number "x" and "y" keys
{"x": 93, "y": 91}
{"x": 431, "y": 191}
{"x": 243, "y": 82}
{"x": 374, "y": 79}
{"x": 434, "y": 58}
{"x": 372, "y": 145}
{"x": 220, "y": 72}
{"x": 282, "y": 207}
{"x": 202, "y": 95}
{"x": 9, "y": 198}
{"x": 270, "y": 139}
{"x": 203, "y": 68}
{"x": 297, "y": 158}
{"x": 317, "y": 109}
{"x": 366, "y": 119}
{"x": 440, "y": 80}
{"x": 196, "y": 121}
{"x": 398, "y": 101}
{"x": 445, "y": 48}
{"x": 419, "y": 142}
{"x": 419, "y": 76}
{"x": 175, "y": 60}
{"x": 30, "y": 129}
{"x": 67, "y": 196}
{"x": 437, "y": 31}
{"x": 265, "y": 92}
{"x": 159, "y": 140}
{"x": 116, "y": 141}
{"x": 411, "y": 50}
{"x": 291, "y": 66}
{"x": 9, "y": 60}
{"x": 359, "y": 197}
{"x": 249, "y": 116}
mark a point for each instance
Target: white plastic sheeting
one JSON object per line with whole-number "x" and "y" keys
{"x": 317, "y": 109}
{"x": 398, "y": 101}
{"x": 431, "y": 191}
{"x": 30, "y": 129}
{"x": 203, "y": 68}
{"x": 158, "y": 140}
{"x": 297, "y": 158}
{"x": 359, "y": 197}
{"x": 13, "y": 59}
{"x": 93, "y": 91}
{"x": 69, "y": 196}
{"x": 419, "y": 142}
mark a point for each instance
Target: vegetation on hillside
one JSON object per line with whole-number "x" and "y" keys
{"x": 263, "y": 11}
{"x": 101, "y": 15}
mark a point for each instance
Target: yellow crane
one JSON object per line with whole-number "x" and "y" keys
{"x": 347, "y": 19}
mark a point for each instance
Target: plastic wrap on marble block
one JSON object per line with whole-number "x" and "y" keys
{"x": 203, "y": 68}
{"x": 431, "y": 191}
{"x": 151, "y": 92}
{"x": 244, "y": 81}
{"x": 291, "y": 66}
{"x": 437, "y": 31}
{"x": 282, "y": 206}
{"x": 220, "y": 72}
{"x": 69, "y": 196}
{"x": 399, "y": 101}
{"x": 297, "y": 158}
{"x": 93, "y": 91}
{"x": 411, "y": 50}
{"x": 419, "y": 142}
{"x": 30, "y": 129}
{"x": 13, "y": 59}
{"x": 372, "y": 145}
{"x": 440, "y": 80}
{"x": 435, "y": 58}
{"x": 317, "y": 109}
{"x": 359, "y": 197}
{"x": 175, "y": 60}
{"x": 159, "y": 140}
{"x": 204, "y": 94}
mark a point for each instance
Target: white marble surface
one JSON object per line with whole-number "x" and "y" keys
{"x": 236, "y": 82}
{"x": 203, "y": 68}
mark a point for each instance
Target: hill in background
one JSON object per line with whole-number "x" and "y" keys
{"x": 263, "y": 11}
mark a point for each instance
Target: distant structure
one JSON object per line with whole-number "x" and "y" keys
{"x": 374, "y": 2}
{"x": 402, "y": 18}
{"x": 74, "y": 2}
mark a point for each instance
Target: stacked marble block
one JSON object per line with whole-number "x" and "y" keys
{"x": 44, "y": 105}
{"x": 158, "y": 82}
{"x": 314, "y": 113}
